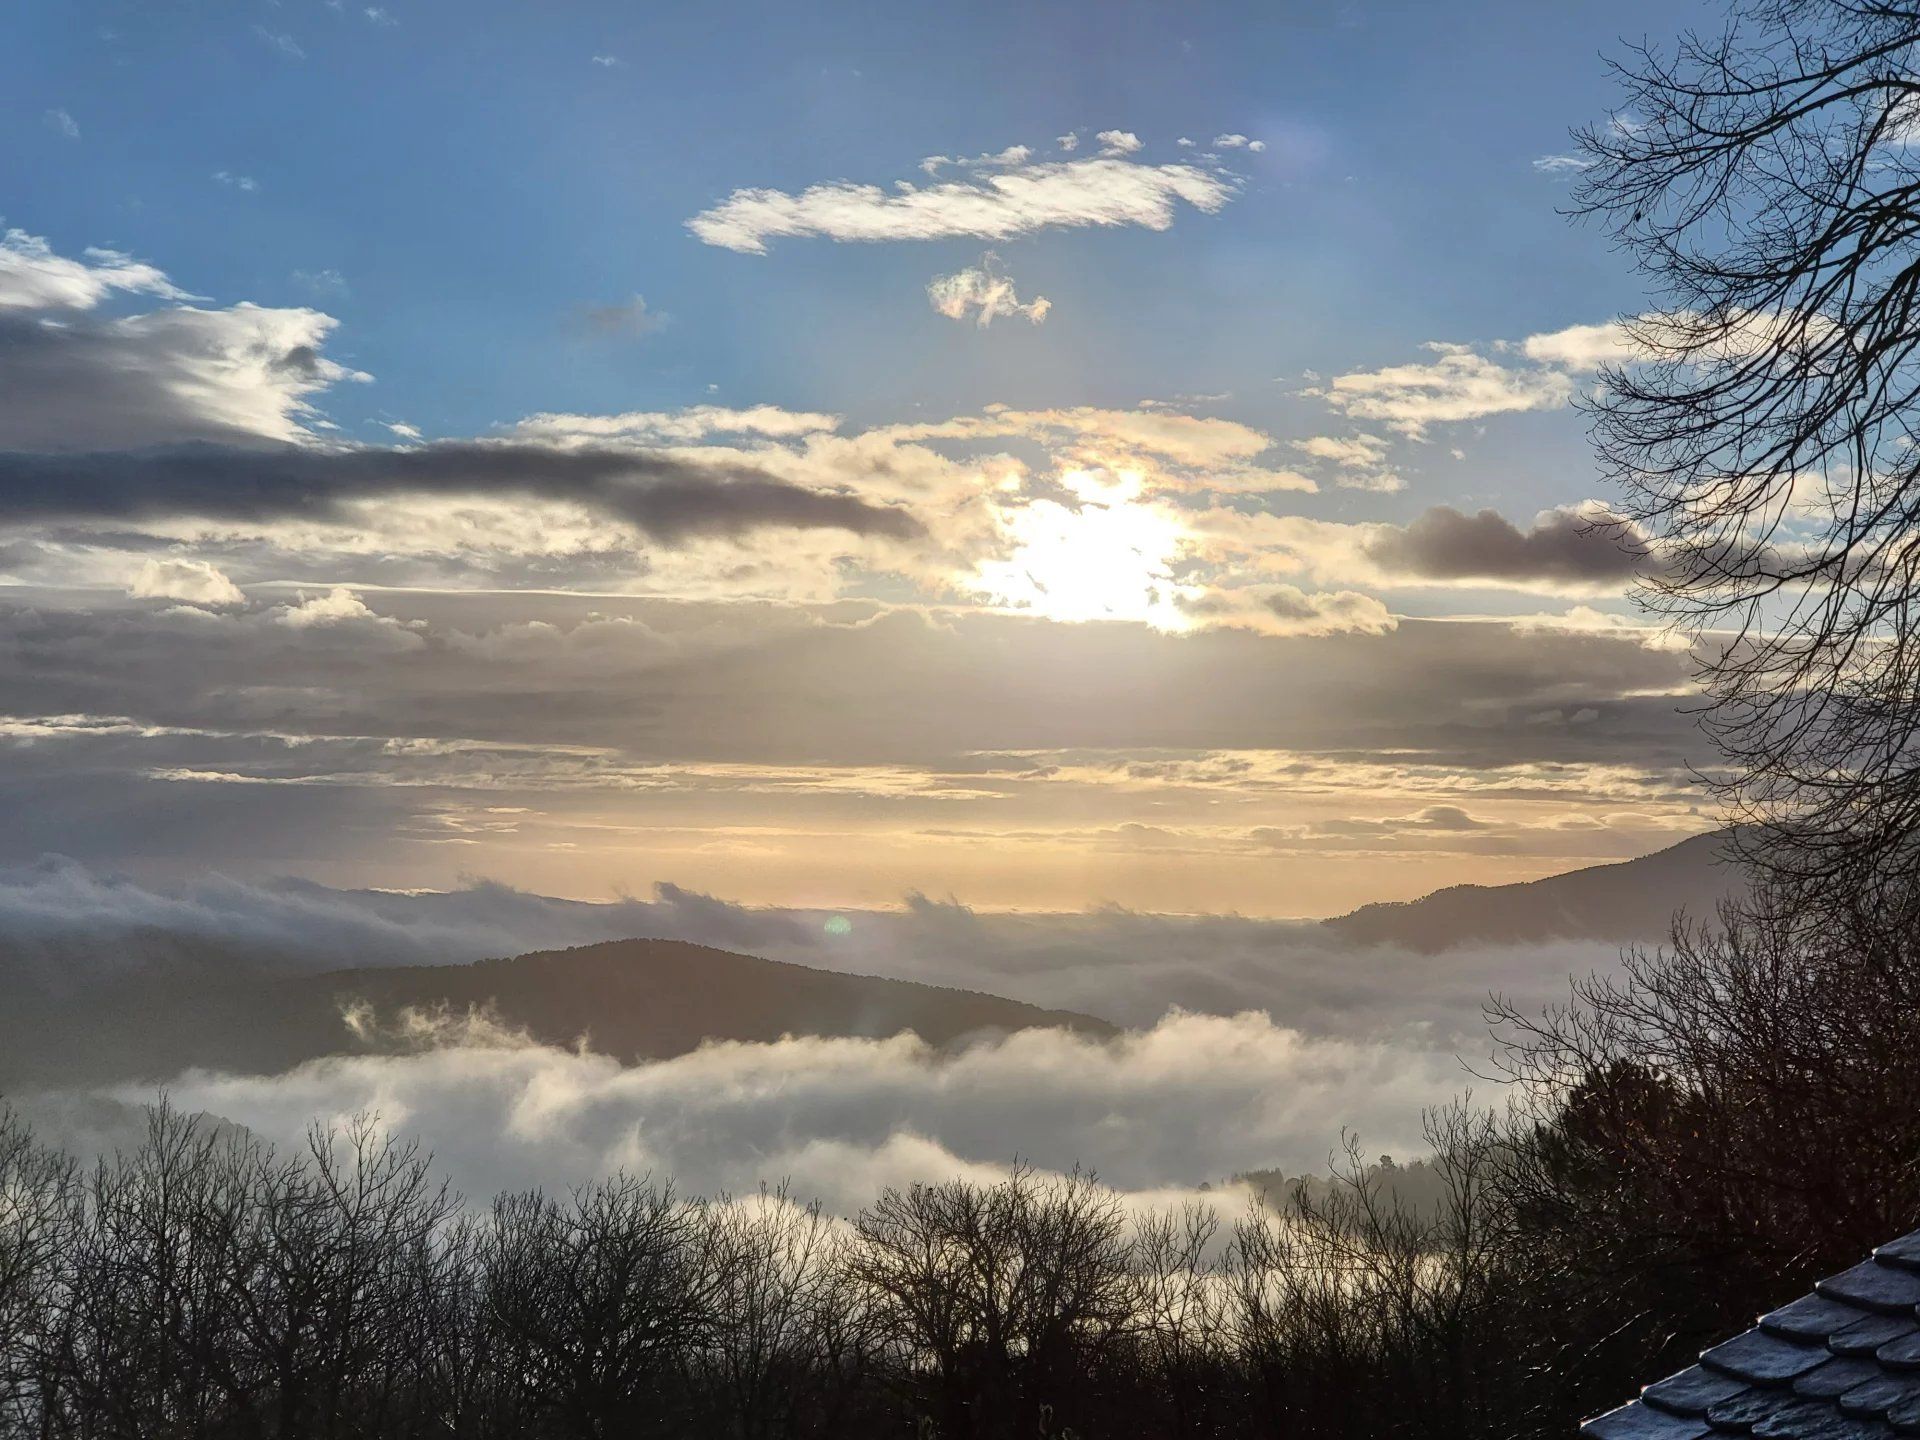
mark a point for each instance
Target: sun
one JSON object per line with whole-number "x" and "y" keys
{"x": 1110, "y": 557}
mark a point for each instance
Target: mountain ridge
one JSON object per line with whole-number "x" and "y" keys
{"x": 1625, "y": 902}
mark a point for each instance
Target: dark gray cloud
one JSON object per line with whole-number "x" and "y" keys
{"x": 665, "y": 681}
{"x": 1562, "y": 547}
{"x": 240, "y": 375}
{"x": 668, "y": 498}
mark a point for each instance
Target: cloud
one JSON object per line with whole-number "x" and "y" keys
{"x": 1107, "y": 191}
{"x": 184, "y": 374}
{"x": 1068, "y": 142}
{"x": 1287, "y": 610}
{"x": 61, "y": 123}
{"x": 33, "y": 277}
{"x": 668, "y": 499}
{"x": 981, "y": 292}
{"x": 321, "y": 282}
{"x": 1583, "y": 347}
{"x": 194, "y": 581}
{"x": 623, "y": 317}
{"x": 1012, "y": 156}
{"x": 607, "y": 62}
{"x": 236, "y": 182}
{"x": 280, "y": 43}
{"x": 1567, "y": 547}
{"x": 1194, "y": 1098}
{"x": 1562, "y": 165}
{"x": 1460, "y": 384}
{"x": 1466, "y": 384}
{"x": 696, "y": 422}
{"x": 1118, "y": 142}
{"x": 1237, "y": 141}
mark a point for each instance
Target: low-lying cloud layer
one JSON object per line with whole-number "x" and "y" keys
{"x": 1193, "y": 1099}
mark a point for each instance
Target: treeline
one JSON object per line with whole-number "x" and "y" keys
{"x": 1694, "y": 1142}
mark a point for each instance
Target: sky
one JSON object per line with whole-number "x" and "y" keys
{"x": 1049, "y": 456}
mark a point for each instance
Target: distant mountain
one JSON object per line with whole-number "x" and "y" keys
{"x": 1632, "y": 901}
{"x": 631, "y": 999}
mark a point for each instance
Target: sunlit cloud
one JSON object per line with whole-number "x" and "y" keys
{"x": 982, "y": 294}
{"x": 1105, "y": 191}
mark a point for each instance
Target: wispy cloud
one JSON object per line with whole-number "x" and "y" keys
{"x": 60, "y": 121}
{"x": 1107, "y": 191}
{"x": 982, "y": 293}
{"x": 236, "y": 181}
{"x": 33, "y": 277}
{"x": 630, "y": 318}
{"x": 1561, "y": 165}
{"x": 1013, "y": 155}
{"x": 280, "y": 43}
{"x": 321, "y": 282}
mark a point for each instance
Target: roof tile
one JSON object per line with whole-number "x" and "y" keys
{"x": 1812, "y": 1317}
{"x": 1869, "y": 1335}
{"x": 1889, "y": 1289}
{"x": 1904, "y": 1251}
{"x": 1642, "y": 1422}
{"x": 1836, "y": 1377}
{"x": 1877, "y": 1396}
{"x": 1763, "y": 1359}
{"x": 1840, "y": 1364}
{"x": 1900, "y": 1354}
{"x": 1694, "y": 1389}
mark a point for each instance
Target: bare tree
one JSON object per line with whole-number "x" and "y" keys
{"x": 1762, "y": 417}
{"x": 598, "y": 1302}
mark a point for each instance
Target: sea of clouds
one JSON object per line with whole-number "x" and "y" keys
{"x": 1250, "y": 1044}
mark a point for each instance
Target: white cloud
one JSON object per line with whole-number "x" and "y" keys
{"x": 280, "y": 43}
{"x": 696, "y": 422}
{"x": 1069, "y": 142}
{"x": 1118, "y": 142}
{"x": 403, "y": 430}
{"x": 32, "y": 277}
{"x": 983, "y": 294}
{"x": 63, "y": 123}
{"x": 336, "y": 605}
{"x": 1195, "y": 1098}
{"x": 1460, "y": 384}
{"x": 606, "y": 62}
{"x": 321, "y": 282}
{"x": 1012, "y": 156}
{"x": 1561, "y": 165}
{"x": 1582, "y": 347}
{"x": 1236, "y": 142}
{"x": 193, "y": 581}
{"x": 237, "y": 182}
{"x": 1105, "y": 191}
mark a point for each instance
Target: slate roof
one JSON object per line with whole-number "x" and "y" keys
{"x": 1840, "y": 1364}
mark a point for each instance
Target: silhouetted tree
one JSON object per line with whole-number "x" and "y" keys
{"x": 1761, "y": 423}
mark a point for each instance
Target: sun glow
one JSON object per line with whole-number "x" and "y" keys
{"x": 1110, "y": 557}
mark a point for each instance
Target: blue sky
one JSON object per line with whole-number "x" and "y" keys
{"x": 475, "y": 179}
{"x": 1017, "y": 553}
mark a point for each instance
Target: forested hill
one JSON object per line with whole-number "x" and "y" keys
{"x": 1632, "y": 901}
{"x": 631, "y": 999}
